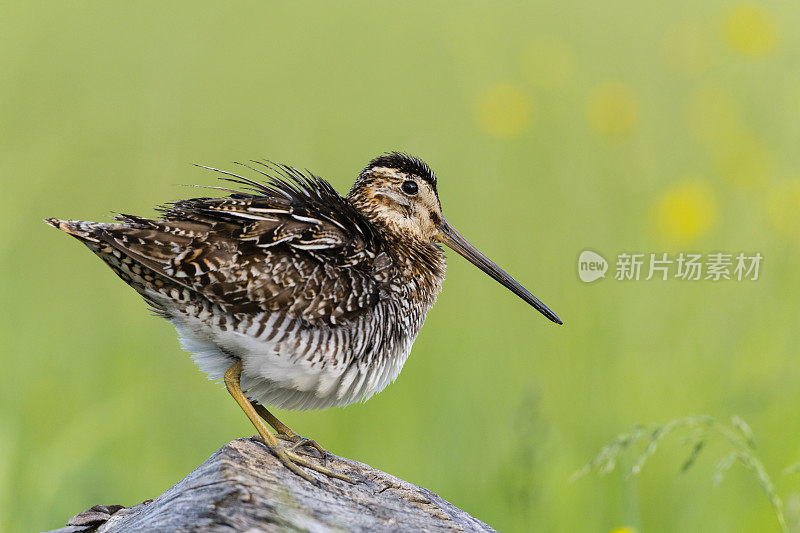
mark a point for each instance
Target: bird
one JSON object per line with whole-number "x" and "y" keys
{"x": 295, "y": 296}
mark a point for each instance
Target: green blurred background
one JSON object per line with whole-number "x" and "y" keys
{"x": 554, "y": 127}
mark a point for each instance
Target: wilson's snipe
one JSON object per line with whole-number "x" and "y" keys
{"x": 299, "y": 297}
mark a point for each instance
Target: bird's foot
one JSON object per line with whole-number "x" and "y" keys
{"x": 302, "y": 442}
{"x": 293, "y": 460}
{"x": 286, "y": 433}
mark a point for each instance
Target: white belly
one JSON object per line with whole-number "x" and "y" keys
{"x": 330, "y": 373}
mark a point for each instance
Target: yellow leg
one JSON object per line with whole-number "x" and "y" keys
{"x": 287, "y": 457}
{"x": 287, "y": 432}
{"x": 272, "y": 420}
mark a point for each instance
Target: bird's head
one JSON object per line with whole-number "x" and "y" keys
{"x": 397, "y": 192}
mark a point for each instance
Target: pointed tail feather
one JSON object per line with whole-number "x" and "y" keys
{"x": 77, "y": 228}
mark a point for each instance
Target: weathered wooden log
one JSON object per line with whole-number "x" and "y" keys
{"x": 243, "y": 487}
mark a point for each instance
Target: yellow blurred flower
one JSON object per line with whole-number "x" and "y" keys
{"x": 750, "y": 30}
{"x": 686, "y": 48}
{"x": 504, "y": 110}
{"x": 612, "y": 109}
{"x": 626, "y": 529}
{"x": 547, "y": 62}
{"x": 783, "y": 208}
{"x": 685, "y": 212}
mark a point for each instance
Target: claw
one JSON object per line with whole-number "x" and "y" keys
{"x": 299, "y": 459}
{"x": 291, "y": 460}
{"x": 300, "y": 442}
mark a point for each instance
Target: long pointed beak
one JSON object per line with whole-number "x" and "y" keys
{"x": 457, "y": 242}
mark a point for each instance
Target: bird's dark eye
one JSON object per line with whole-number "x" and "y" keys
{"x": 410, "y": 187}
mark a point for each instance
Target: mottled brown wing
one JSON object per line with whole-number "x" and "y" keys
{"x": 296, "y": 246}
{"x": 252, "y": 255}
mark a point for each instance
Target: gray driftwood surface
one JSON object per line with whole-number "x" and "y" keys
{"x": 243, "y": 487}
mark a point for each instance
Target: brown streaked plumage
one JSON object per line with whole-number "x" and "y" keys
{"x": 292, "y": 293}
